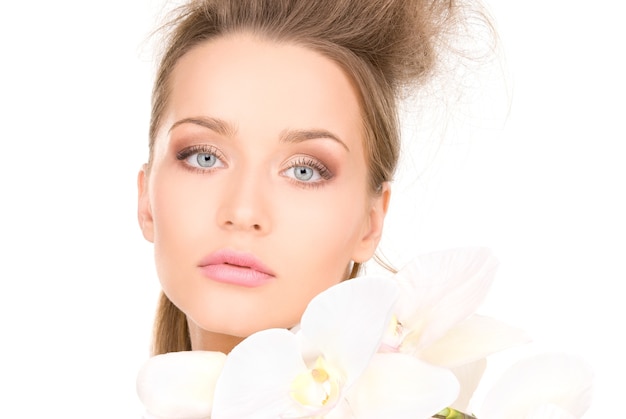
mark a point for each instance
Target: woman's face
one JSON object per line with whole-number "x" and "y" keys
{"x": 257, "y": 198}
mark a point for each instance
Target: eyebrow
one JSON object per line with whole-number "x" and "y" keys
{"x": 214, "y": 124}
{"x": 297, "y": 136}
{"x": 226, "y": 129}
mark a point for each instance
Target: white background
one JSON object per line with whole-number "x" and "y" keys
{"x": 542, "y": 183}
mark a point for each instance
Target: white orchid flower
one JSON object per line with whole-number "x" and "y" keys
{"x": 179, "y": 385}
{"x": 401, "y": 386}
{"x": 278, "y": 374}
{"x": 434, "y": 317}
{"x": 545, "y": 386}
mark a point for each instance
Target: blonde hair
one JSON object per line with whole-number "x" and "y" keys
{"x": 385, "y": 46}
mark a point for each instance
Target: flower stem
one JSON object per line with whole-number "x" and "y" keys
{"x": 449, "y": 413}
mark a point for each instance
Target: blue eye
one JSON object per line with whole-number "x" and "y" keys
{"x": 303, "y": 173}
{"x": 306, "y": 170}
{"x": 201, "y": 157}
{"x": 205, "y": 159}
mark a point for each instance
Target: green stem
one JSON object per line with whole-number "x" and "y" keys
{"x": 449, "y": 413}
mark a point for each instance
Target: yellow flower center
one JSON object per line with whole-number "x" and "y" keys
{"x": 394, "y": 336}
{"x": 319, "y": 375}
{"x": 397, "y": 327}
{"x": 317, "y": 387}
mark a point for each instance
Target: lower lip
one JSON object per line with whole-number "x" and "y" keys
{"x": 236, "y": 275}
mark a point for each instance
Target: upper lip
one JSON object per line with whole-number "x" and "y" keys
{"x": 235, "y": 258}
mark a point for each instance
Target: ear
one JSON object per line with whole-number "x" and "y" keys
{"x": 144, "y": 210}
{"x": 373, "y": 227}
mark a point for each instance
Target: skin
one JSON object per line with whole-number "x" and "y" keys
{"x": 257, "y": 109}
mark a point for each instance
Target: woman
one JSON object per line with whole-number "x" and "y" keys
{"x": 273, "y": 139}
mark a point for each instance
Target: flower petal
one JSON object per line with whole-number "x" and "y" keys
{"x": 256, "y": 376}
{"x": 346, "y": 322}
{"x": 472, "y": 339}
{"x": 532, "y": 383}
{"x": 549, "y": 411}
{"x": 440, "y": 289}
{"x": 469, "y": 376}
{"x": 400, "y": 386}
{"x": 179, "y": 385}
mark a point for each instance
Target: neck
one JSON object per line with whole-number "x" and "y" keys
{"x": 202, "y": 340}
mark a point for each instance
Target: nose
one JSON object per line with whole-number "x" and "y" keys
{"x": 244, "y": 206}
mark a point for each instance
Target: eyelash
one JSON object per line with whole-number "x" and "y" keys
{"x": 304, "y": 161}
{"x": 185, "y": 153}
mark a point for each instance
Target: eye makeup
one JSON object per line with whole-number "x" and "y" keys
{"x": 207, "y": 158}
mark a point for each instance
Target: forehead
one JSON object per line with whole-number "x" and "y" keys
{"x": 253, "y": 81}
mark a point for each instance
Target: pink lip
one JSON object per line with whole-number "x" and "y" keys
{"x": 236, "y": 268}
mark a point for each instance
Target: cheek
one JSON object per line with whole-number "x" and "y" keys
{"x": 323, "y": 230}
{"x": 180, "y": 221}
{"x": 179, "y": 207}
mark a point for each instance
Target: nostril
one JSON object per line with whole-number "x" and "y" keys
{"x": 249, "y": 225}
